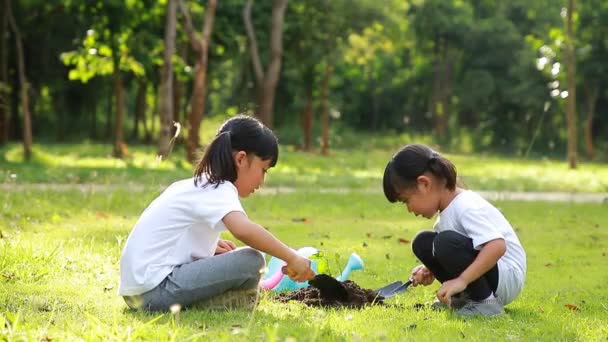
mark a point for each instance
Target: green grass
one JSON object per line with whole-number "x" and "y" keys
{"x": 60, "y": 252}
{"x": 360, "y": 168}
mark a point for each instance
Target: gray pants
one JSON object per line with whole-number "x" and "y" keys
{"x": 205, "y": 278}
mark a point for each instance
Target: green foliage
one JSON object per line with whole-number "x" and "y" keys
{"x": 384, "y": 57}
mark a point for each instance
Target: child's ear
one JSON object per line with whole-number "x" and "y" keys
{"x": 240, "y": 157}
{"x": 423, "y": 182}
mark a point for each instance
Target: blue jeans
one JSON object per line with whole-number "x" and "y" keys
{"x": 204, "y": 278}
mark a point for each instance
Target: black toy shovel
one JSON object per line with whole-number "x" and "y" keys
{"x": 330, "y": 287}
{"x": 392, "y": 289}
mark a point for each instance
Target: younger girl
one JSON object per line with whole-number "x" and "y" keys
{"x": 174, "y": 254}
{"x": 473, "y": 250}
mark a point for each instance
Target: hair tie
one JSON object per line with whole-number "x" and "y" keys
{"x": 225, "y": 132}
{"x": 433, "y": 157}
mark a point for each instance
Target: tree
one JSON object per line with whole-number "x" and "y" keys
{"x": 4, "y": 87}
{"x": 166, "y": 83}
{"x": 440, "y": 26}
{"x": 200, "y": 45}
{"x": 571, "y": 80}
{"x": 266, "y": 82}
{"x": 591, "y": 66}
{"x": 23, "y": 84}
{"x": 105, "y": 51}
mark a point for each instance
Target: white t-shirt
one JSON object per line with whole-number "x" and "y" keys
{"x": 471, "y": 215}
{"x": 181, "y": 225}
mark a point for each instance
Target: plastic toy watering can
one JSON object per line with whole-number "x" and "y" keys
{"x": 275, "y": 280}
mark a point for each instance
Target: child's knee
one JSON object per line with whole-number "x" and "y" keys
{"x": 254, "y": 258}
{"x": 423, "y": 241}
{"x": 447, "y": 242}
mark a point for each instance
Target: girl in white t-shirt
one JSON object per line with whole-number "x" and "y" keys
{"x": 174, "y": 254}
{"x": 473, "y": 250}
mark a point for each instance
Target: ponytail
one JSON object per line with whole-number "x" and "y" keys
{"x": 217, "y": 163}
{"x": 443, "y": 169}
{"x": 240, "y": 133}
{"x": 403, "y": 170}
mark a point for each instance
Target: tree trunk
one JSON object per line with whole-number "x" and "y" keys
{"x": 273, "y": 72}
{"x": 258, "y": 71}
{"x": 324, "y": 102}
{"x": 4, "y": 93}
{"x": 571, "y": 81}
{"x": 199, "y": 88}
{"x": 109, "y": 112}
{"x": 440, "y": 99}
{"x": 266, "y": 83}
{"x": 93, "y": 118}
{"x": 307, "y": 120}
{"x": 592, "y": 94}
{"x": 23, "y": 86}
{"x": 375, "y": 104}
{"x": 178, "y": 87}
{"x": 166, "y": 84}
{"x": 140, "y": 108}
{"x": 119, "y": 144}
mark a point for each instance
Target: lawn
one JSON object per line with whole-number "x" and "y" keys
{"x": 60, "y": 252}
{"x": 355, "y": 169}
{"x": 61, "y": 239}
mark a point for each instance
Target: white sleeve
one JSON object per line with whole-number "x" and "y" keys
{"x": 218, "y": 203}
{"x": 479, "y": 227}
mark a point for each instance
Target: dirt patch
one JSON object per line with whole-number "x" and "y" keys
{"x": 357, "y": 297}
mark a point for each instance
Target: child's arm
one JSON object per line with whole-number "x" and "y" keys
{"x": 259, "y": 238}
{"x": 486, "y": 259}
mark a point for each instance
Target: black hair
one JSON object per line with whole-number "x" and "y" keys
{"x": 404, "y": 168}
{"x": 239, "y": 133}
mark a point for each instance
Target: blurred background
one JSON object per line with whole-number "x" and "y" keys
{"x": 520, "y": 78}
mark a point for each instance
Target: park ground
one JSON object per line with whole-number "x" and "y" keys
{"x": 65, "y": 216}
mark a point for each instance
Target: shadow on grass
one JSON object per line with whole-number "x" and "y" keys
{"x": 257, "y": 325}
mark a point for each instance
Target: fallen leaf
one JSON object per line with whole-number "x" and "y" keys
{"x": 405, "y": 241}
{"x": 387, "y": 236}
{"x": 101, "y": 214}
{"x": 540, "y": 308}
{"x": 572, "y": 307}
{"x": 299, "y": 219}
{"x": 548, "y": 265}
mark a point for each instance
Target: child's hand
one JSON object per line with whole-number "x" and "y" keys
{"x": 450, "y": 288}
{"x": 298, "y": 269}
{"x": 224, "y": 246}
{"x": 422, "y": 276}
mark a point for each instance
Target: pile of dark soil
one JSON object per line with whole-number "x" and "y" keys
{"x": 357, "y": 297}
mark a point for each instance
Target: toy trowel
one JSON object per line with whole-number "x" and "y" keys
{"x": 394, "y": 288}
